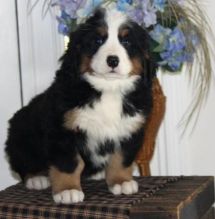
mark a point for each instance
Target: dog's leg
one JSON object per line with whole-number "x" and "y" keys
{"x": 119, "y": 178}
{"x": 66, "y": 186}
{"x": 119, "y": 171}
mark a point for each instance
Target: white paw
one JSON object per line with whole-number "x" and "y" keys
{"x": 127, "y": 188}
{"x": 69, "y": 196}
{"x": 38, "y": 182}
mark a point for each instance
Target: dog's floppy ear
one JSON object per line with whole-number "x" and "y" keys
{"x": 149, "y": 64}
{"x": 148, "y": 59}
{"x": 72, "y": 56}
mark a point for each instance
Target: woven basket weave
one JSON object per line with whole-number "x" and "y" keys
{"x": 151, "y": 129}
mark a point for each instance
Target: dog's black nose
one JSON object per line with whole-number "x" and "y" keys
{"x": 113, "y": 61}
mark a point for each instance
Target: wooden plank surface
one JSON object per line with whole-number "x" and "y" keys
{"x": 209, "y": 214}
{"x": 189, "y": 198}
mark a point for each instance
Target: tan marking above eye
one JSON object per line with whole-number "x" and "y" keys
{"x": 124, "y": 32}
{"x": 103, "y": 31}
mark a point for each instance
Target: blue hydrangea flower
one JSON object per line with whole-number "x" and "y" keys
{"x": 123, "y": 5}
{"x": 172, "y": 44}
{"x": 160, "y": 34}
{"x": 150, "y": 18}
{"x": 175, "y": 53}
{"x": 88, "y": 8}
{"x": 176, "y": 40}
{"x": 149, "y": 13}
{"x": 136, "y": 15}
{"x": 160, "y": 5}
{"x": 173, "y": 59}
{"x": 63, "y": 23}
{"x": 63, "y": 28}
{"x": 143, "y": 12}
{"x": 70, "y": 6}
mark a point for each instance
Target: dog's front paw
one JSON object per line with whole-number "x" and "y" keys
{"x": 127, "y": 188}
{"x": 37, "y": 182}
{"x": 68, "y": 196}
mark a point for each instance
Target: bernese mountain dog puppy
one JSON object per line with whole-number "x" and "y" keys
{"x": 90, "y": 121}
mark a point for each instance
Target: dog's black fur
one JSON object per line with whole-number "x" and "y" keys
{"x": 37, "y": 138}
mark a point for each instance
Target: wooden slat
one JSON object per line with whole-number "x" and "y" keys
{"x": 209, "y": 214}
{"x": 198, "y": 202}
{"x": 190, "y": 198}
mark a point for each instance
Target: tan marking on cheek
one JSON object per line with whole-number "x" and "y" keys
{"x": 116, "y": 173}
{"x": 85, "y": 65}
{"x": 63, "y": 181}
{"x": 137, "y": 66}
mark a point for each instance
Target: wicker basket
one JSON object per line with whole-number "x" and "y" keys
{"x": 151, "y": 129}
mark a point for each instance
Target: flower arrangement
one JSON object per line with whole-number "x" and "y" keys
{"x": 177, "y": 28}
{"x": 157, "y": 16}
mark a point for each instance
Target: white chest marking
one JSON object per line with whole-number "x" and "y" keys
{"x": 104, "y": 121}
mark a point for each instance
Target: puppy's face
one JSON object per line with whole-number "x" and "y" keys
{"x": 112, "y": 47}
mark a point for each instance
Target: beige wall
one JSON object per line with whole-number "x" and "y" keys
{"x": 201, "y": 148}
{"x": 9, "y": 80}
{"x": 192, "y": 154}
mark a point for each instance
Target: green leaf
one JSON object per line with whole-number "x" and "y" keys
{"x": 159, "y": 48}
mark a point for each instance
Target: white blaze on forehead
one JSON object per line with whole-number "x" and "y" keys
{"x": 114, "y": 19}
{"x": 111, "y": 47}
